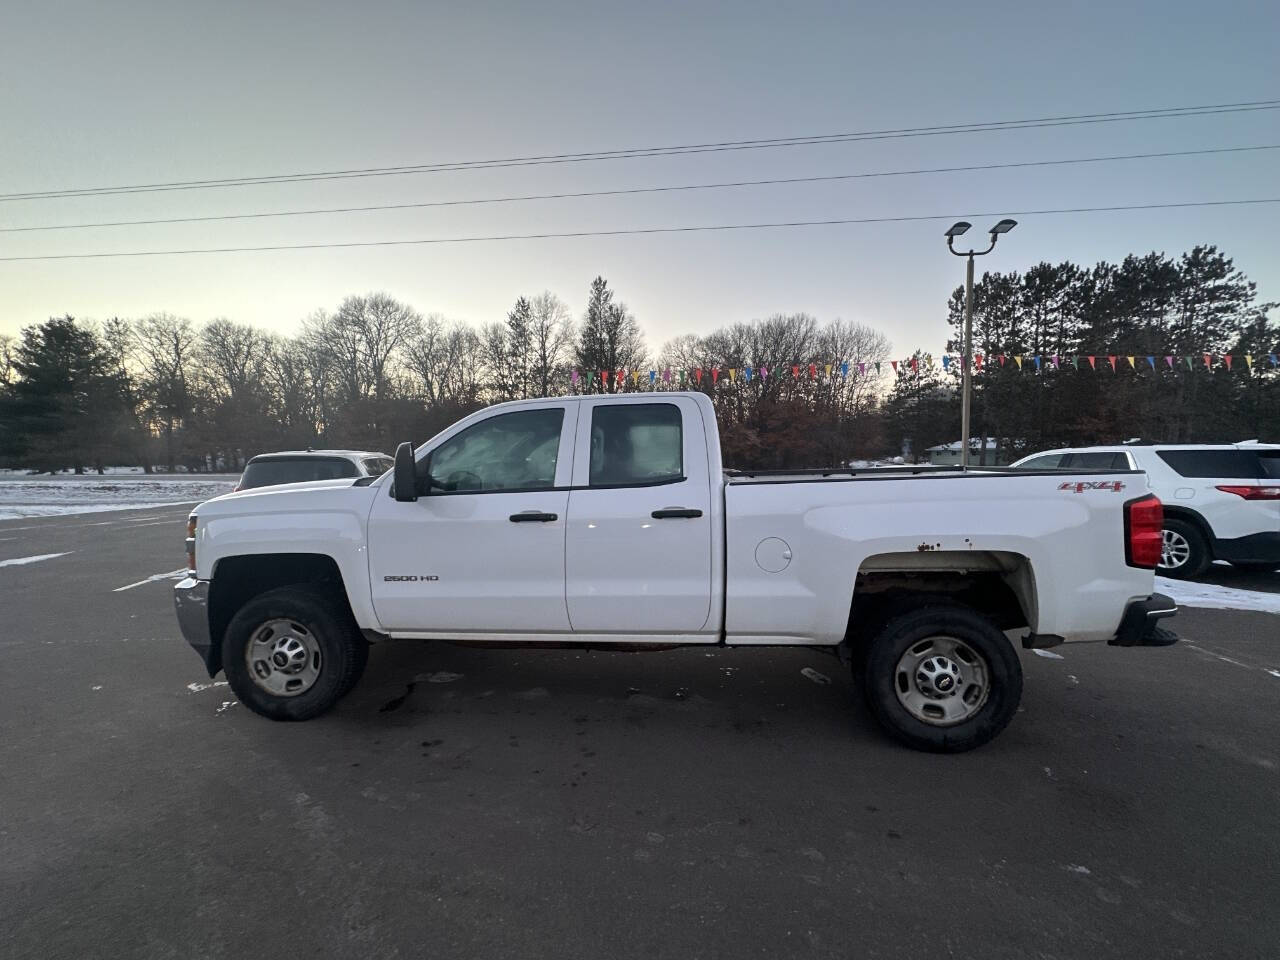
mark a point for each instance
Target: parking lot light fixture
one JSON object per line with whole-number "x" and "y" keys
{"x": 966, "y": 362}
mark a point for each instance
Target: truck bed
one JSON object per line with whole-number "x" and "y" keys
{"x": 818, "y": 474}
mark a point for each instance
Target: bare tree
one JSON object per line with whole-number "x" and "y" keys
{"x": 292, "y": 390}
{"x": 444, "y": 358}
{"x": 164, "y": 347}
{"x": 550, "y": 342}
{"x": 496, "y": 355}
{"x": 6, "y": 359}
{"x": 233, "y": 358}
{"x": 372, "y": 330}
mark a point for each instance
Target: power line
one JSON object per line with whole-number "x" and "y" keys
{"x": 638, "y": 190}
{"x": 644, "y": 152}
{"x": 708, "y": 228}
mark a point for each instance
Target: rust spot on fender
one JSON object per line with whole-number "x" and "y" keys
{"x": 924, "y": 547}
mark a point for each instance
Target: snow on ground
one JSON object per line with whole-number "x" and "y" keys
{"x": 45, "y": 496}
{"x": 1190, "y": 594}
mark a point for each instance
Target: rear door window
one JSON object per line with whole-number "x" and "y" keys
{"x": 636, "y": 444}
{"x": 268, "y": 473}
{"x": 1213, "y": 464}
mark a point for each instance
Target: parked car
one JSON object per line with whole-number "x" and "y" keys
{"x": 301, "y": 466}
{"x": 1221, "y": 501}
{"x": 599, "y": 521}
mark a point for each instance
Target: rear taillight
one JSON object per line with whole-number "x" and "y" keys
{"x": 191, "y": 544}
{"x": 1253, "y": 493}
{"x": 1143, "y": 532}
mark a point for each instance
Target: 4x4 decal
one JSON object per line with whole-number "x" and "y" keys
{"x": 1080, "y": 486}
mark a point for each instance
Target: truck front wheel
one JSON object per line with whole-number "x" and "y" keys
{"x": 942, "y": 678}
{"x": 292, "y": 653}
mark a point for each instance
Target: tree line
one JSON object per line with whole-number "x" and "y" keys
{"x": 170, "y": 394}
{"x": 1153, "y": 305}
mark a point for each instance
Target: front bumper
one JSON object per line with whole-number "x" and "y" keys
{"x": 1139, "y": 627}
{"x": 191, "y": 601}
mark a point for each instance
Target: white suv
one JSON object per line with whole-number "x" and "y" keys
{"x": 1221, "y": 501}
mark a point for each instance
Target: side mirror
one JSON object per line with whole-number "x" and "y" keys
{"x": 406, "y": 474}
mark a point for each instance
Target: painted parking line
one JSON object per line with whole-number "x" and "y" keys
{"x": 154, "y": 578}
{"x": 21, "y": 561}
{"x": 1223, "y": 658}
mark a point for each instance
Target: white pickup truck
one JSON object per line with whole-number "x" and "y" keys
{"x": 608, "y": 521}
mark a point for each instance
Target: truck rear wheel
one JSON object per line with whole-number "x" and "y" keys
{"x": 292, "y": 653}
{"x": 942, "y": 678}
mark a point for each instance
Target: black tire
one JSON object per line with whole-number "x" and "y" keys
{"x": 980, "y": 635}
{"x": 1198, "y": 558}
{"x": 343, "y": 651}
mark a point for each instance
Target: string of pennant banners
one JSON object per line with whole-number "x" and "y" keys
{"x": 843, "y": 370}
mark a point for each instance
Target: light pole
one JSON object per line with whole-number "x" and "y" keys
{"x": 966, "y": 362}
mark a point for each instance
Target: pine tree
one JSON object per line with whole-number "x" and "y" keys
{"x": 68, "y": 403}
{"x": 610, "y": 339}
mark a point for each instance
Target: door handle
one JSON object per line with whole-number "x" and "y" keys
{"x": 671, "y": 513}
{"x": 532, "y": 516}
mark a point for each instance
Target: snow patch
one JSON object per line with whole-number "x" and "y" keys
{"x": 45, "y": 496}
{"x": 1215, "y": 597}
{"x": 197, "y": 687}
{"x": 1048, "y": 654}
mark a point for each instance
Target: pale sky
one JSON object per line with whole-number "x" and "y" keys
{"x": 99, "y": 94}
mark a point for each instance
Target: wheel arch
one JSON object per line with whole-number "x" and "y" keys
{"x": 1175, "y": 512}
{"x": 1000, "y": 585}
{"x": 238, "y": 579}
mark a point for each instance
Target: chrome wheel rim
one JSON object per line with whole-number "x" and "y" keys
{"x": 283, "y": 658}
{"x": 942, "y": 681}
{"x": 1175, "y": 550}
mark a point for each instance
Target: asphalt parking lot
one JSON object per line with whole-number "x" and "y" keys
{"x": 464, "y": 803}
